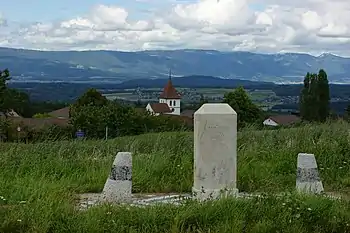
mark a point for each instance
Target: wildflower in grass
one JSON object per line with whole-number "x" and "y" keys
{"x": 309, "y": 209}
{"x": 340, "y": 167}
{"x": 19, "y": 220}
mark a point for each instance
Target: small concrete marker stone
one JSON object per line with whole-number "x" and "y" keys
{"x": 308, "y": 179}
{"x": 215, "y": 152}
{"x": 119, "y": 183}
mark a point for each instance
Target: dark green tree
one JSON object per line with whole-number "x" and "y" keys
{"x": 17, "y": 100}
{"x": 12, "y": 98}
{"x": 304, "y": 98}
{"x": 4, "y": 77}
{"x": 247, "y": 111}
{"x": 323, "y": 96}
{"x": 86, "y": 113}
{"x": 91, "y": 98}
{"x": 347, "y": 113}
{"x": 314, "y": 97}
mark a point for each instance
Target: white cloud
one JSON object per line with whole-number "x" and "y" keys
{"x": 313, "y": 26}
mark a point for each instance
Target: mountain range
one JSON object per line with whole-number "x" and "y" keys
{"x": 117, "y": 67}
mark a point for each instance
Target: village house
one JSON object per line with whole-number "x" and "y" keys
{"x": 62, "y": 113}
{"x": 281, "y": 120}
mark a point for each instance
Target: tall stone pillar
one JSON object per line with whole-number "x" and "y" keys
{"x": 215, "y": 152}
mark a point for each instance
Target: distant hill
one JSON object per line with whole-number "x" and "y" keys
{"x": 116, "y": 66}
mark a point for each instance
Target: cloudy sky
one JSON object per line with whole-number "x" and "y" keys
{"x": 312, "y": 26}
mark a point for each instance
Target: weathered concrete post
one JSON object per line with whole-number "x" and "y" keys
{"x": 308, "y": 179}
{"x": 119, "y": 183}
{"x": 215, "y": 152}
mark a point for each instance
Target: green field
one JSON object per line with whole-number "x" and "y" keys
{"x": 38, "y": 183}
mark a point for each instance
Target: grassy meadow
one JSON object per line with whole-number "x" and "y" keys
{"x": 38, "y": 183}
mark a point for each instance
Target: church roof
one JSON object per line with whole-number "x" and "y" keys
{"x": 169, "y": 92}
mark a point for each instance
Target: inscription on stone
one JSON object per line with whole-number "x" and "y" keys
{"x": 307, "y": 175}
{"x": 215, "y": 132}
{"x": 121, "y": 173}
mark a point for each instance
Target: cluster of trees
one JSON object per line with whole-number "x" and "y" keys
{"x": 315, "y": 97}
{"x": 19, "y": 101}
{"x": 93, "y": 113}
{"x": 247, "y": 112}
{"x": 9, "y": 97}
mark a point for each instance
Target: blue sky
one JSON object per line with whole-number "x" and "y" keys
{"x": 50, "y": 10}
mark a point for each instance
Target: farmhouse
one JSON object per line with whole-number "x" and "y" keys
{"x": 281, "y": 120}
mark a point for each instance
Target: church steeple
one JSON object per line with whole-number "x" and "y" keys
{"x": 169, "y": 92}
{"x": 171, "y": 97}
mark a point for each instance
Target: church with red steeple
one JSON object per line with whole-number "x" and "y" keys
{"x": 169, "y": 101}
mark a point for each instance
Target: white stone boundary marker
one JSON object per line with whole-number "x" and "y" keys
{"x": 119, "y": 183}
{"x": 308, "y": 179}
{"x": 215, "y": 152}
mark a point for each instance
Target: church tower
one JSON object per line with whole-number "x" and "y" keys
{"x": 171, "y": 97}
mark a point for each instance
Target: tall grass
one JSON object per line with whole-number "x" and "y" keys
{"x": 38, "y": 183}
